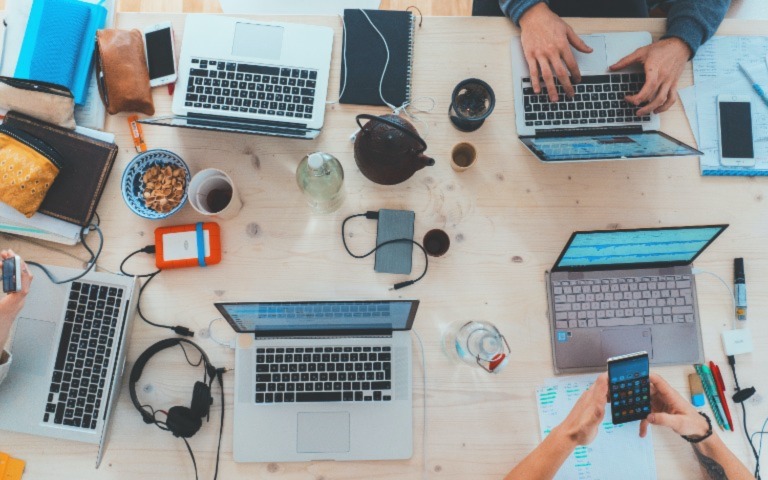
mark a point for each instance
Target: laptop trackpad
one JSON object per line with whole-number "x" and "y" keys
{"x": 624, "y": 340}
{"x": 595, "y": 62}
{"x": 31, "y": 346}
{"x": 326, "y": 432}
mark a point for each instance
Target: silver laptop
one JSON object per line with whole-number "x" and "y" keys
{"x": 322, "y": 380}
{"x": 621, "y": 291}
{"x": 247, "y": 76}
{"x": 596, "y": 124}
{"x": 68, "y": 346}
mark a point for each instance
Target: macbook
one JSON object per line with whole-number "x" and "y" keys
{"x": 249, "y": 76}
{"x": 68, "y": 346}
{"x": 596, "y": 123}
{"x": 322, "y": 380}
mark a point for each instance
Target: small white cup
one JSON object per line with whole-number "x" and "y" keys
{"x": 212, "y": 180}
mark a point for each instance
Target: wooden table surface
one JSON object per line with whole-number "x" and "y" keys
{"x": 508, "y": 218}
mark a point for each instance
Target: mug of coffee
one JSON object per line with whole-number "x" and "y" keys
{"x": 212, "y": 192}
{"x": 463, "y": 156}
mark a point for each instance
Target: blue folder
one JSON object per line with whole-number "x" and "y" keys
{"x": 59, "y": 43}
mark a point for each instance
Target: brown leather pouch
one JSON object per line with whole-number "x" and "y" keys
{"x": 122, "y": 72}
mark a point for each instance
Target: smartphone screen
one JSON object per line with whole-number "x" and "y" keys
{"x": 629, "y": 387}
{"x": 736, "y": 130}
{"x": 160, "y": 53}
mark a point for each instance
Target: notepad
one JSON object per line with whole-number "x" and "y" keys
{"x": 366, "y": 57}
{"x": 617, "y": 448}
{"x": 58, "y": 43}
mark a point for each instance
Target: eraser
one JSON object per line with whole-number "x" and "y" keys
{"x": 697, "y": 390}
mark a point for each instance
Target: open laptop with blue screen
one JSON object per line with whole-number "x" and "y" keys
{"x": 615, "y": 292}
{"x": 322, "y": 380}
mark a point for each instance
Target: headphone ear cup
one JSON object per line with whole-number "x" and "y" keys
{"x": 201, "y": 400}
{"x": 182, "y": 422}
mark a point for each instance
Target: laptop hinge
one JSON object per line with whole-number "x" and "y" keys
{"x": 586, "y": 131}
{"x": 245, "y": 121}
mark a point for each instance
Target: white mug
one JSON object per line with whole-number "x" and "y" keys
{"x": 213, "y": 182}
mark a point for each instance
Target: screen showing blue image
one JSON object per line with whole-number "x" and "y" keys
{"x": 673, "y": 245}
{"x": 628, "y": 370}
{"x": 316, "y": 316}
{"x": 607, "y": 146}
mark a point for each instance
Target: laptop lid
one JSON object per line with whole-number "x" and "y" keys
{"x": 226, "y": 124}
{"x": 635, "y": 249}
{"x": 605, "y": 144}
{"x": 279, "y": 319}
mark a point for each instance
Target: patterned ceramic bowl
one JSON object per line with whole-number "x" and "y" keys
{"x": 133, "y": 183}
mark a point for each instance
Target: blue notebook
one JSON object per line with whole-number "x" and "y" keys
{"x": 59, "y": 43}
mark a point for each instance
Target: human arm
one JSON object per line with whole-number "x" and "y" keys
{"x": 10, "y": 306}
{"x": 670, "y": 409}
{"x": 579, "y": 428}
{"x": 690, "y": 23}
{"x": 546, "y": 41}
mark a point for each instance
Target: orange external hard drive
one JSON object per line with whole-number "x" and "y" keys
{"x": 197, "y": 245}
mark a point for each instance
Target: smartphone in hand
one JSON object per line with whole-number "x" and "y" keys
{"x": 629, "y": 387}
{"x": 12, "y": 274}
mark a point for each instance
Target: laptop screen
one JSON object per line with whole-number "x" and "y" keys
{"x": 643, "y": 248}
{"x": 597, "y": 146}
{"x": 314, "y": 318}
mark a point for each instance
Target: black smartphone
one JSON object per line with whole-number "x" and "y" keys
{"x": 12, "y": 274}
{"x": 629, "y": 387}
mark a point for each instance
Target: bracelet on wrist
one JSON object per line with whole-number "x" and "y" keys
{"x": 700, "y": 438}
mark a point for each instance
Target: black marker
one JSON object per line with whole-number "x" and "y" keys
{"x": 740, "y": 287}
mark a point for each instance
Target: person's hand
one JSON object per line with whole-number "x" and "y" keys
{"x": 547, "y": 41}
{"x": 670, "y": 409}
{"x": 663, "y": 62}
{"x": 12, "y": 303}
{"x": 581, "y": 425}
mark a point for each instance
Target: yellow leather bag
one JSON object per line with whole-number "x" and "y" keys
{"x": 28, "y": 167}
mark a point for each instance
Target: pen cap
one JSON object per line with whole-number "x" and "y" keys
{"x": 738, "y": 270}
{"x": 697, "y": 390}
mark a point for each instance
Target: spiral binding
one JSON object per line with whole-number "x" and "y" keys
{"x": 410, "y": 59}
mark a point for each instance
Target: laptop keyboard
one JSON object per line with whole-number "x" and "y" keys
{"x": 82, "y": 361}
{"x": 599, "y": 100}
{"x": 611, "y": 302}
{"x": 323, "y": 374}
{"x": 251, "y": 88}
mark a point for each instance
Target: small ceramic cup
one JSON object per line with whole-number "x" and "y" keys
{"x": 213, "y": 193}
{"x": 463, "y": 156}
{"x": 436, "y": 243}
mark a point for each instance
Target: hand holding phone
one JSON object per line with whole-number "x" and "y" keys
{"x": 629, "y": 387}
{"x": 734, "y": 120}
{"x": 161, "y": 54}
{"x": 12, "y": 274}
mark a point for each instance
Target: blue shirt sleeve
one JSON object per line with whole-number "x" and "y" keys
{"x": 695, "y": 21}
{"x": 515, "y": 9}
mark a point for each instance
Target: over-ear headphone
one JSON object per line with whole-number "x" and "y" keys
{"x": 180, "y": 420}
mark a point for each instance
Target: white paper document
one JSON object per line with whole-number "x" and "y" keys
{"x": 617, "y": 448}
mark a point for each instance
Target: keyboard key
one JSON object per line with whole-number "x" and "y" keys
{"x": 319, "y": 396}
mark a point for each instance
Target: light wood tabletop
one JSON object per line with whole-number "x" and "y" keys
{"x": 508, "y": 218}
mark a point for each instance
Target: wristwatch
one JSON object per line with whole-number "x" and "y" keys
{"x": 700, "y": 438}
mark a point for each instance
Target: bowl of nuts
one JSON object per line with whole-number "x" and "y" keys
{"x": 155, "y": 184}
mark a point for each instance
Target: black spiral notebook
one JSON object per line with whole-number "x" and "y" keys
{"x": 366, "y": 57}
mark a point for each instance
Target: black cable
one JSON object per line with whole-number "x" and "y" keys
{"x": 373, "y": 216}
{"x": 220, "y": 376}
{"x": 178, "y": 329}
{"x": 732, "y": 363}
{"x": 189, "y": 449}
{"x": 91, "y": 262}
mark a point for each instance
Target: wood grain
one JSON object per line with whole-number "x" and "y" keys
{"x": 508, "y": 218}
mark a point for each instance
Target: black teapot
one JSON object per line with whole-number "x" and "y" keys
{"x": 389, "y": 150}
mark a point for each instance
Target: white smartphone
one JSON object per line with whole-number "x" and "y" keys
{"x": 734, "y": 120}
{"x": 161, "y": 54}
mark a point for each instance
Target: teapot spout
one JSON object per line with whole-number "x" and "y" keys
{"x": 425, "y": 161}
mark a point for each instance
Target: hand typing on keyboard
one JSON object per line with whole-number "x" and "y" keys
{"x": 663, "y": 62}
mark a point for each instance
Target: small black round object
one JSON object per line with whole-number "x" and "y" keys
{"x": 472, "y": 102}
{"x": 436, "y": 242}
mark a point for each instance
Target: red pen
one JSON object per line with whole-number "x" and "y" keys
{"x": 721, "y": 391}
